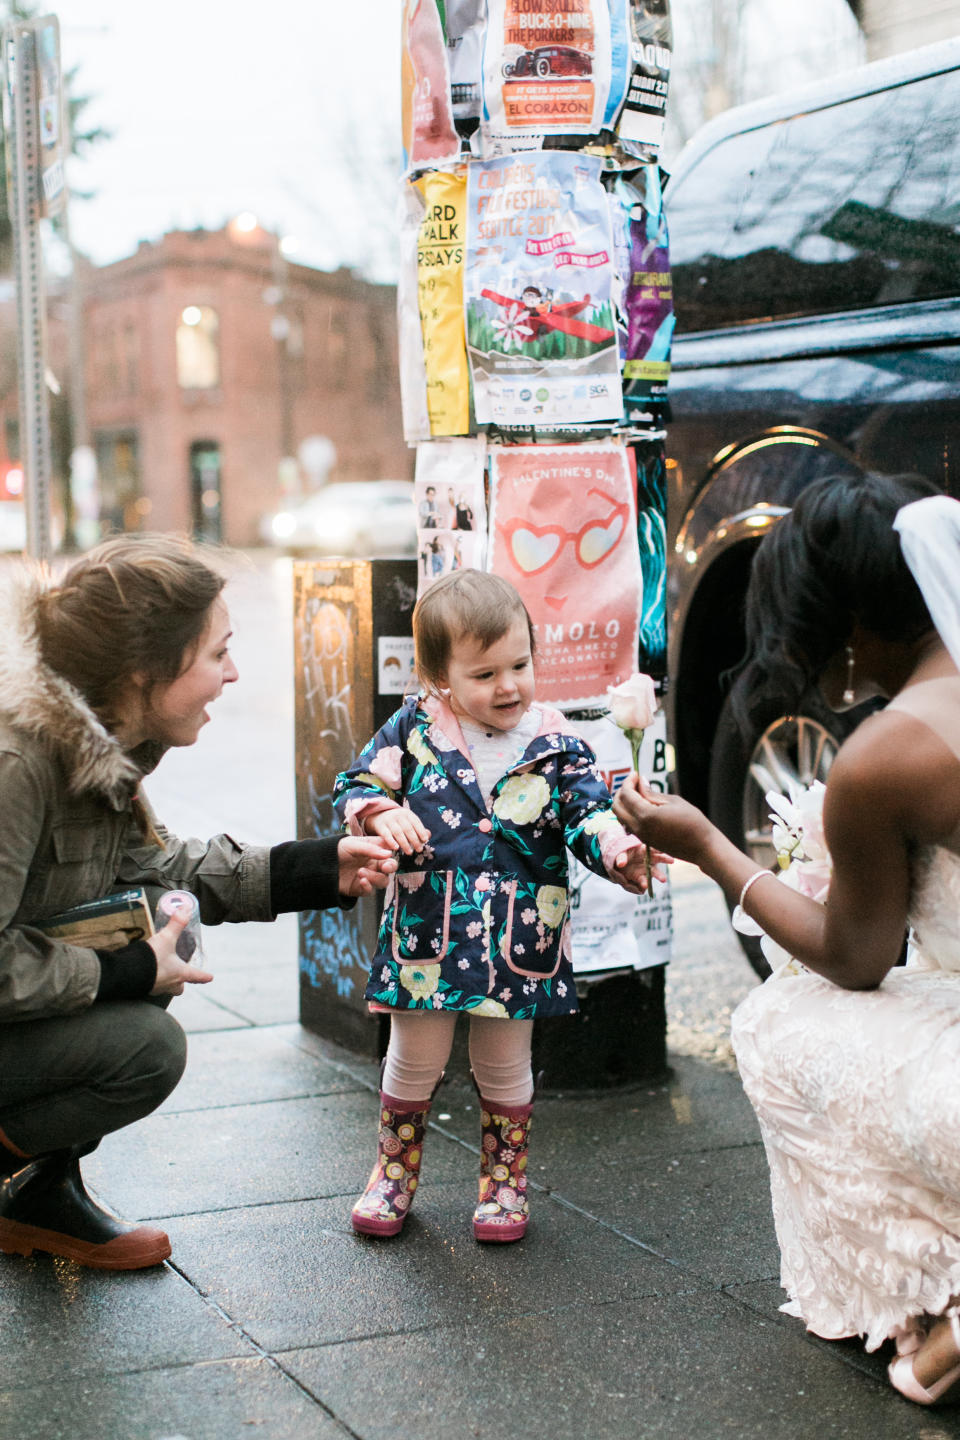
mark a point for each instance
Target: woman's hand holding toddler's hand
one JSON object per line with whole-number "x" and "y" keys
{"x": 666, "y": 821}
{"x": 400, "y": 828}
{"x": 364, "y": 865}
{"x": 172, "y": 972}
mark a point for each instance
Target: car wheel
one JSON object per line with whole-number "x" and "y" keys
{"x": 507, "y": 69}
{"x": 543, "y": 68}
{"x": 779, "y": 747}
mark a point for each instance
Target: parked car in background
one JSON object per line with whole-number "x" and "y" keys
{"x": 359, "y": 518}
{"x": 815, "y": 245}
{"x": 13, "y": 526}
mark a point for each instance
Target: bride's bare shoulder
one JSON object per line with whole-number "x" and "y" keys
{"x": 898, "y": 766}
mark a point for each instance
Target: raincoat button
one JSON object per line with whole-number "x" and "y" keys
{"x": 485, "y": 825}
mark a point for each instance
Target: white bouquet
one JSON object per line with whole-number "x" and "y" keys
{"x": 802, "y": 856}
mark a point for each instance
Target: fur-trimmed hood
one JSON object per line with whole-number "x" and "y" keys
{"x": 40, "y": 704}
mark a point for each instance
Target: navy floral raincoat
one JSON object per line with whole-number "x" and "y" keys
{"x": 478, "y": 920}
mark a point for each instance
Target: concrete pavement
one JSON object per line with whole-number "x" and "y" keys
{"x": 643, "y": 1303}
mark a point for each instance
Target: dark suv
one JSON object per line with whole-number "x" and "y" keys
{"x": 815, "y": 241}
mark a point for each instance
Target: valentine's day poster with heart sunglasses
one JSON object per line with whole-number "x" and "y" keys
{"x": 563, "y": 530}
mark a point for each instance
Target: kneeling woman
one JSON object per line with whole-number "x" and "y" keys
{"x": 99, "y": 675}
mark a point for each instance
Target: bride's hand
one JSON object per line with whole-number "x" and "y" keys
{"x": 664, "y": 822}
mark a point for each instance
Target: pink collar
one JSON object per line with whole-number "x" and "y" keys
{"x": 441, "y": 712}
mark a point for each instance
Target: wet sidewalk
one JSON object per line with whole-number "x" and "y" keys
{"x": 643, "y": 1303}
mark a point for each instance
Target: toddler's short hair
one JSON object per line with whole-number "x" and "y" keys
{"x": 467, "y": 602}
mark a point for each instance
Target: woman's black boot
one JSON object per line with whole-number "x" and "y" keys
{"x": 11, "y": 1159}
{"x": 44, "y": 1206}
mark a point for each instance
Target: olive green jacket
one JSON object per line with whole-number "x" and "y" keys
{"x": 68, "y": 831}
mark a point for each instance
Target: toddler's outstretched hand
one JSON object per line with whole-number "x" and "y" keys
{"x": 630, "y": 868}
{"x": 401, "y": 829}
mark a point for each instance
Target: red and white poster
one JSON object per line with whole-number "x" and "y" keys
{"x": 563, "y": 529}
{"x": 428, "y": 134}
{"x": 546, "y": 71}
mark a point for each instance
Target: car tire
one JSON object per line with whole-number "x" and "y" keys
{"x": 779, "y": 745}
{"x": 543, "y": 69}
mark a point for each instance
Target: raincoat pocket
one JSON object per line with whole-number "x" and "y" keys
{"x": 421, "y": 916}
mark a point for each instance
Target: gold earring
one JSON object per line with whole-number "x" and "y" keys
{"x": 849, "y": 694}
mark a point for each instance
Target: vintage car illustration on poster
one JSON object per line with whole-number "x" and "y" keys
{"x": 548, "y": 62}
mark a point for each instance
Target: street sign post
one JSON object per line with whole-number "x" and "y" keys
{"x": 33, "y": 121}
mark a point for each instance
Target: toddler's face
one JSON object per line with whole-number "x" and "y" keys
{"x": 492, "y": 687}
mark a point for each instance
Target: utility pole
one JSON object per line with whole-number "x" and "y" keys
{"x": 84, "y": 487}
{"x": 32, "y": 107}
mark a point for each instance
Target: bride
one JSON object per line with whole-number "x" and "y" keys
{"x": 852, "y": 1062}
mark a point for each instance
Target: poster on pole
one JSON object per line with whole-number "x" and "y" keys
{"x": 612, "y": 929}
{"x": 563, "y": 531}
{"x": 538, "y": 293}
{"x": 426, "y": 114}
{"x": 546, "y": 71}
{"x": 451, "y": 508}
{"x": 50, "y": 114}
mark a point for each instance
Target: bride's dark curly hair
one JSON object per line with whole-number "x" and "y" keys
{"x": 834, "y": 560}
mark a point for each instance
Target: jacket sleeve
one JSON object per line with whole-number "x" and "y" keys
{"x": 375, "y": 779}
{"x": 590, "y": 828}
{"x": 39, "y": 977}
{"x": 230, "y": 880}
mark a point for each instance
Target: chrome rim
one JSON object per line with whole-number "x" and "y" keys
{"x": 794, "y": 748}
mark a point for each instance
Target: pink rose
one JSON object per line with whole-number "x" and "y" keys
{"x": 634, "y": 703}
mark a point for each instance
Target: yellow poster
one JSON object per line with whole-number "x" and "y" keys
{"x": 440, "y": 251}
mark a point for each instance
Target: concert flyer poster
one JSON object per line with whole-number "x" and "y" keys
{"x": 413, "y": 382}
{"x": 546, "y": 71}
{"x": 563, "y": 530}
{"x": 540, "y": 321}
{"x": 464, "y": 23}
{"x": 610, "y": 928}
{"x": 449, "y": 493}
{"x": 440, "y": 259}
{"x": 641, "y": 122}
{"x": 429, "y": 137}
{"x": 644, "y": 285}
{"x": 650, "y": 458}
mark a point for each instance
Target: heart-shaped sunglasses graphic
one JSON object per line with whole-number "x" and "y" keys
{"x": 534, "y": 547}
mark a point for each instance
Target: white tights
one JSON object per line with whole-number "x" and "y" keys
{"x": 419, "y": 1049}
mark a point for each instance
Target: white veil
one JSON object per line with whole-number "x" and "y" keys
{"x": 930, "y": 539}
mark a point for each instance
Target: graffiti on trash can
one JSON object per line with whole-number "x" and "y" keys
{"x": 332, "y": 948}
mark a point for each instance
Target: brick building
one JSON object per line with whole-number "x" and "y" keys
{"x": 209, "y": 359}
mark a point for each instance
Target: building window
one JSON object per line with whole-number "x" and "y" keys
{"x": 131, "y": 358}
{"x": 337, "y": 350}
{"x": 123, "y": 505}
{"x": 206, "y": 472}
{"x": 198, "y": 348}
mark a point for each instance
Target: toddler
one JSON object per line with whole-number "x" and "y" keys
{"x": 480, "y": 790}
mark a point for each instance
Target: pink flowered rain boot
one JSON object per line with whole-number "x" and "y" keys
{"x": 383, "y": 1206}
{"x": 502, "y": 1212}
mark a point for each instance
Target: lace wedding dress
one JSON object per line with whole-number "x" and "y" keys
{"x": 858, "y": 1098}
